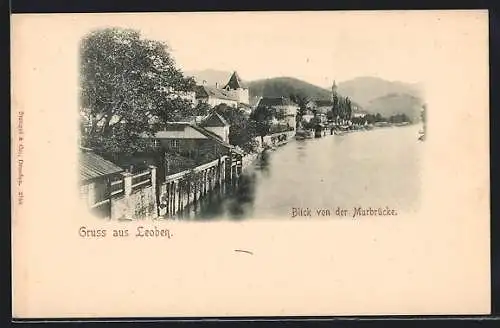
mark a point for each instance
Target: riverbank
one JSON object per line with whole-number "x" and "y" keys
{"x": 248, "y": 160}
{"x": 322, "y": 170}
{"x": 270, "y": 141}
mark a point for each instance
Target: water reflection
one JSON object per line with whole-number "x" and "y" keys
{"x": 232, "y": 200}
{"x": 372, "y": 168}
{"x": 262, "y": 163}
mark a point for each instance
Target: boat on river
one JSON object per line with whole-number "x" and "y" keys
{"x": 303, "y": 134}
{"x": 402, "y": 124}
{"x": 318, "y": 130}
{"x": 421, "y": 135}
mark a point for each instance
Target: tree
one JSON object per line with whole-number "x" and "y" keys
{"x": 348, "y": 109}
{"x": 126, "y": 81}
{"x": 223, "y": 108}
{"x": 202, "y": 109}
{"x": 336, "y": 108}
{"x": 242, "y": 130}
{"x": 302, "y": 102}
{"x": 173, "y": 110}
{"x": 329, "y": 115}
{"x": 423, "y": 113}
{"x": 261, "y": 120}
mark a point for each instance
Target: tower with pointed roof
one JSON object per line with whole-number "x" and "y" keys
{"x": 334, "y": 90}
{"x": 236, "y": 88}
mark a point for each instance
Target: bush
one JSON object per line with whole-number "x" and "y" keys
{"x": 278, "y": 128}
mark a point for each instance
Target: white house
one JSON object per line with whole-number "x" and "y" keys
{"x": 215, "y": 123}
{"x": 233, "y": 94}
{"x": 237, "y": 90}
{"x": 214, "y": 96}
{"x": 321, "y": 108}
{"x": 286, "y": 109}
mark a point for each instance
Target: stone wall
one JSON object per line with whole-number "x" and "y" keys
{"x": 268, "y": 139}
{"x": 141, "y": 204}
{"x": 135, "y": 203}
{"x": 181, "y": 189}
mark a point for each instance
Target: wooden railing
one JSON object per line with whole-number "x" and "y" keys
{"x": 117, "y": 187}
{"x": 141, "y": 180}
{"x": 102, "y": 209}
{"x": 179, "y": 175}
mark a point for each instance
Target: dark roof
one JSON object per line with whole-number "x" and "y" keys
{"x": 211, "y": 135}
{"x": 323, "y": 103}
{"x": 243, "y": 105}
{"x": 214, "y": 119}
{"x": 234, "y": 82}
{"x": 275, "y": 101}
{"x": 203, "y": 91}
{"x": 94, "y": 166}
{"x": 180, "y": 126}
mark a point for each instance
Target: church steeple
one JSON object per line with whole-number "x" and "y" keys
{"x": 334, "y": 90}
{"x": 237, "y": 89}
{"x": 234, "y": 82}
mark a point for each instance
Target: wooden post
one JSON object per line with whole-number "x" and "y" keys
{"x": 127, "y": 183}
{"x": 206, "y": 181}
{"x": 211, "y": 179}
{"x": 195, "y": 190}
{"x": 169, "y": 198}
{"x": 203, "y": 182}
{"x": 179, "y": 202}
{"x": 174, "y": 190}
{"x": 188, "y": 191}
{"x": 155, "y": 191}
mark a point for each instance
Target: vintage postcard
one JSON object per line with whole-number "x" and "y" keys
{"x": 250, "y": 164}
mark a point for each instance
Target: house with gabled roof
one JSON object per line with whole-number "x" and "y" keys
{"x": 215, "y": 123}
{"x": 237, "y": 88}
{"x": 214, "y": 96}
{"x": 233, "y": 93}
{"x": 96, "y": 175}
{"x": 286, "y": 109}
{"x": 318, "y": 108}
{"x": 193, "y": 140}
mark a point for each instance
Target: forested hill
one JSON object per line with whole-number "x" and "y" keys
{"x": 373, "y": 94}
{"x": 284, "y": 87}
{"x": 396, "y": 103}
{"x": 365, "y": 89}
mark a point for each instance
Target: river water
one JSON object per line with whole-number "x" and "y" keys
{"x": 376, "y": 168}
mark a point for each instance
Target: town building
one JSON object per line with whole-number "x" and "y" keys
{"x": 286, "y": 110}
{"x": 215, "y": 123}
{"x": 319, "y": 108}
{"x": 113, "y": 193}
{"x": 214, "y": 96}
{"x": 233, "y": 94}
{"x": 202, "y": 142}
{"x": 358, "y": 114}
{"x": 96, "y": 176}
{"x": 238, "y": 91}
{"x": 189, "y": 96}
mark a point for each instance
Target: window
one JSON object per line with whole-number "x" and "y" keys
{"x": 155, "y": 143}
{"x": 101, "y": 190}
{"x": 174, "y": 144}
{"x": 84, "y": 190}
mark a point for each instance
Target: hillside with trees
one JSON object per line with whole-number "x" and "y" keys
{"x": 285, "y": 86}
{"x": 393, "y": 104}
{"x": 374, "y": 95}
{"x": 365, "y": 89}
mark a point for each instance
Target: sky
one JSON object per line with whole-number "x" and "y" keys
{"x": 317, "y": 47}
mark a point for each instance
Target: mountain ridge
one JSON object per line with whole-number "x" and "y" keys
{"x": 373, "y": 94}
